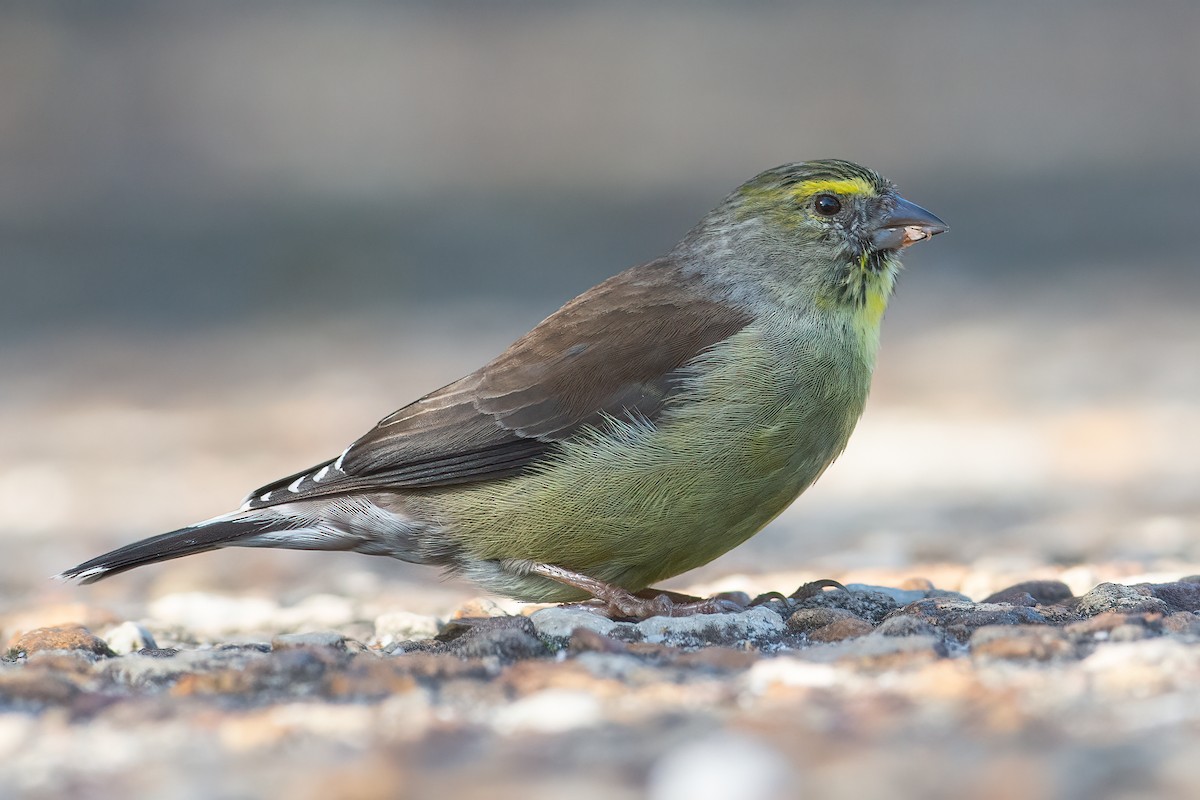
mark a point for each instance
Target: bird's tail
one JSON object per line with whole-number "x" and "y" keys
{"x": 199, "y": 538}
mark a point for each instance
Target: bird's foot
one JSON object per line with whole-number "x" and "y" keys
{"x": 615, "y": 602}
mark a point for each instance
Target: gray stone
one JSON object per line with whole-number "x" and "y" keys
{"x": 1031, "y": 593}
{"x": 556, "y": 624}
{"x": 323, "y": 639}
{"x": 868, "y": 603}
{"x": 1118, "y": 597}
{"x": 1021, "y": 643}
{"x": 403, "y": 626}
{"x": 879, "y": 651}
{"x": 958, "y": 618}
{"x": 903, "y": 597}
{"x": 505, "y": 638}
{"x": 129, "y": 637}
{"x": 755, "y": 625}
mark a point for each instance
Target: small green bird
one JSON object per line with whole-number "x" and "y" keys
{"x": 649, "y": 425}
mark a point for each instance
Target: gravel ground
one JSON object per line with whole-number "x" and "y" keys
{"x": 876, "y": 691}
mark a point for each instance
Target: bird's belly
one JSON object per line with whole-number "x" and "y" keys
{"x": 636, "y": 503}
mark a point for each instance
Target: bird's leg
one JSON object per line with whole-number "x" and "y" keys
{"x": 623, "y": 603}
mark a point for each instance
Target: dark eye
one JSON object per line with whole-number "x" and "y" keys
{"x": 827, "y": 205}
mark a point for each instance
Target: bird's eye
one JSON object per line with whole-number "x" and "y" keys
{"x": 827, "y": 205}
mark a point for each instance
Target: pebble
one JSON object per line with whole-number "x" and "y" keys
{"x": 549, "y": 711}
{"x": 64, "y": 637}
{"x": 866, "y": 602}
{"x": 323, "y": 639}
{"x": 903, "y": 597}
{"x": 958, "y": 618}
{"x": 1118, "y": 597}
{"x": 1021, "y": 643}
{"x": 753, "y": 626}
{"x": 402, "y": 626}
{"x": 1031, "y": 593}
{"x": 129, "y": 637}
{"x": 556, "y": 625}
{"x": 828, "y": 624}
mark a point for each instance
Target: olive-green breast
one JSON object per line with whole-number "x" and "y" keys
{"x": 760, "y": 417}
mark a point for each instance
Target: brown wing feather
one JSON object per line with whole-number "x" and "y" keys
{"x": 613, "y": 351}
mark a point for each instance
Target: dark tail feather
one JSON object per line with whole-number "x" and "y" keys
{"x": 176, "y": 544}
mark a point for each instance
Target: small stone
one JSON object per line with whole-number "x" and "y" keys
{"x": 322, "y": 639}
{"x": 486, "y": 607}
{"x": 838, "y": 630}
{"x": 129, "y": 637}
{"x": 64, "y": 637}
{"x": 1179, "y": 596}
{"x": 789, "y": 672}
{"x": 807, "y": 620}
{"x": 1020, "y": 643}
{"x": 506, "y": 638}
{"x": 557, "y": 624}
{"x": 756, "y": 625}
{"x": 1118, "y": 597}
{"x": 40, "y": 688}
{"x": 902, "y": 625}
{"x": 1031, "y": 593}
{"x": 880, "y": 652}
{"x": 1183, "y": 623}
{"x": 586, "y": 640}
{"x": 1128, "y": 633}
{"x": 958, "y": 618}
{"x": 868, "y": 604}
{"x": 828, "y": 624}
{"x": 903, "y": 597}
{"x": 1101, "y": 626}
{"x": 403, "y": 626}
{"x": 717, "y": 659}
{"x": 1144, "y": 668}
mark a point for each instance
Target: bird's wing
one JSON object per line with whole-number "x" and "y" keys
{"x": 614, "y": 351}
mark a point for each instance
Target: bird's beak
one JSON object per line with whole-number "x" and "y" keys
{"x": 906, "y": 223}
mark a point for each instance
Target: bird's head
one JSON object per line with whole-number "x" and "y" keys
{"x": 818, "y": 233}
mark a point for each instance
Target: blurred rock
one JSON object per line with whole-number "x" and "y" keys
{"x": 828, "y": 624}
{"x": 322, "y": 639}
{"x": 557, "y": 624}
{"x": 902, "y": 597}
{"x": 504, "y": 638}
{"x": 1118, "y": 597}
{"x": 65, "y": 637}
{"x": 400, "y": 626}
{"x": 1020, "y": 643}
{"x": 959, "y": 619}
{"x": 723, "y": 766}
{"x": 129, "y": 637}
{"x": 1181, "y": 595}
{"x": 550, "y": 711}
{"x": 867, "y": 602}
{"x": 753, "y": 626}
{"x": 1032, "y": 593}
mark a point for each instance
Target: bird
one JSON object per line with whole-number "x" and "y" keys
{"x": 648, "y": 426}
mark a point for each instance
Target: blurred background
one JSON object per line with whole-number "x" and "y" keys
{"x": 234, "y": 235}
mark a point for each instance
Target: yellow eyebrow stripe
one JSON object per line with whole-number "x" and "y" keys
{"x": 843, "y": 186}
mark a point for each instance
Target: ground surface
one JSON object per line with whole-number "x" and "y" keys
{"x": 905, "y": 691}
